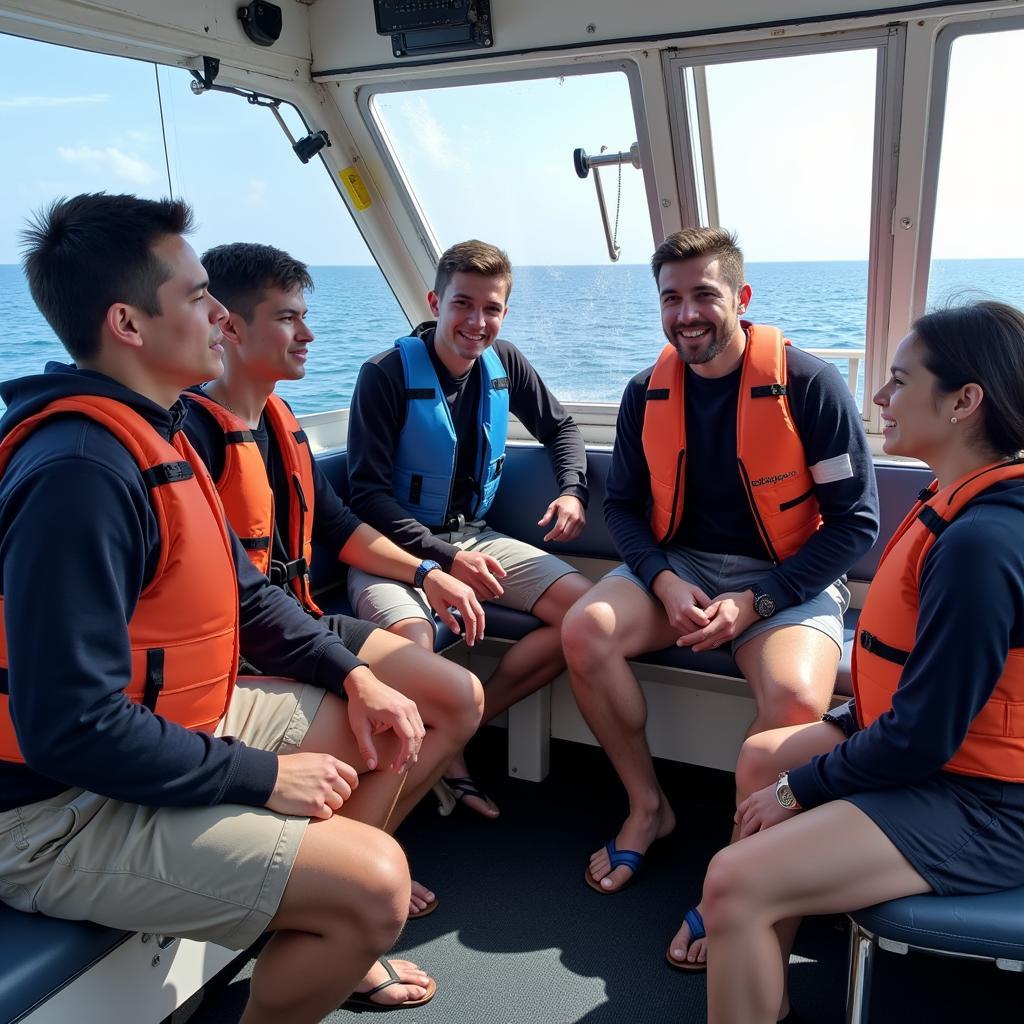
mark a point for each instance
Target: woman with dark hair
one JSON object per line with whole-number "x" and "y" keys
{"x": 916, "y": 785}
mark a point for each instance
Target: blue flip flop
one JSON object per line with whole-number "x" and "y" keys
{"x": 695, "y": 923}
{"x": 618, "y": 859}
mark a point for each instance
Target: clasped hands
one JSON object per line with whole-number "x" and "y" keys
{"x": 704, "y": 623}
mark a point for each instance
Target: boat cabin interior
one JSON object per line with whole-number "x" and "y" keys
{"x": 518, "y": 939}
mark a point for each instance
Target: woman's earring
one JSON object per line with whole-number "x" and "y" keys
{"x": 952, "y": 419}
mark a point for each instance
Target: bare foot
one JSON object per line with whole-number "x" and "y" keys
{"x": 421, "y": 899}
{"x": 687, "y": 953}
{"x": 638, "y": 831}
{"x": 415, "y": 983}
{"x": 465, "y": 791}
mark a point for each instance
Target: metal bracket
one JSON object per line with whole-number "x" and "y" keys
{"x": 892, "y": 946}
{"x": 204, "y": 81}
{"x": 583, "y": 164}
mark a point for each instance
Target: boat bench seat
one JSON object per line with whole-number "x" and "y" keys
{"x": 526, "y": 488}
{"x": 43, "y": 954}
{"x": 986, "y": 927}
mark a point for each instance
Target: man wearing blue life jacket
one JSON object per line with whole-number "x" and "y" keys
{"x": 427, "y": 431}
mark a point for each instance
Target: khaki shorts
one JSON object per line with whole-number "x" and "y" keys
{"x": 212, "y": 873}
{"x": 529, "y": 572}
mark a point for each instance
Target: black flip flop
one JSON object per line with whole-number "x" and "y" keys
{"x": 362, "y": 1000}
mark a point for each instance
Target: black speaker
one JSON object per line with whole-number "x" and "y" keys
{"x": 261, "y": 22}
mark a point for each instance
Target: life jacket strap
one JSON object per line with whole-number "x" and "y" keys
{"x": 282, "y": 573}
{"x": 873, "y": 645}
{"x": 154, "y": 677}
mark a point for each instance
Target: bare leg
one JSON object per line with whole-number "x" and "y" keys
{"x": 611, "y": 623}
{"x": 420, "y": 632}
{"x": 346, "y": 899}
{"x": 761, "y": 760}
{"x": 344, "y": 906}
{"x": 827, "y": 860}
{"x": 535, "y": 660}
{"x": 791, "y": 671}
{"x": 527, "y": 666}
{"x": 450, "y": 701}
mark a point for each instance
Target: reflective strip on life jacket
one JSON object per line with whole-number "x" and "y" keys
{"x": 886, "y": 630}
{"x": 770, "y": 452}
{"x": 425, "y": 456}
{"x": 183, "y": 633}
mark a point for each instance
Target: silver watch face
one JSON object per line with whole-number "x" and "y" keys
{"x": 785, "y": 795}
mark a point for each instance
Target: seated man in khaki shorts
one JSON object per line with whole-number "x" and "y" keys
{"x": 427, "y": 433}
{"x": 142, "y": 785}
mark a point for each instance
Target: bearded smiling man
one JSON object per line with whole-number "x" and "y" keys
{"x": 741, "y": 490}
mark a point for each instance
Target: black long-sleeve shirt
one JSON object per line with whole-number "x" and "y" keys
{"x": 377, "y": 416}
{"x": 333, "y": 521}
{"x": 716, "y": 513}
{"x": 971, "y": 613}
{"x": 78, "y": 543}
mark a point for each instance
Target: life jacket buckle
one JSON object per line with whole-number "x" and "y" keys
{"x": 284, "y": 572}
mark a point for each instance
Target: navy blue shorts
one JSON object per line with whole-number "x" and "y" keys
{"x": 962, "y": 835}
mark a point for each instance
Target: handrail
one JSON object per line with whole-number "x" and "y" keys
{"x": 853, "y": 357}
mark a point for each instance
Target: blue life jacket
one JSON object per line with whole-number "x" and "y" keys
{"x": 424, "y": 467}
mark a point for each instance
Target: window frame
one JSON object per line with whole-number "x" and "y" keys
{"x": 697, "y": 194}
{"x": 938, "y": 94}
{"x": 365, "y": 101}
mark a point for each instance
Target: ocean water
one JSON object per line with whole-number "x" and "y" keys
{"x": 586, "y": 329}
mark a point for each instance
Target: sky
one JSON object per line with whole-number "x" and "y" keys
{"x": 792, "y": 145}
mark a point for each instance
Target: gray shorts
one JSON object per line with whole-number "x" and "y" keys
{"x": 211, "y": 873}
{"x": 722, "y": 574}
{"x": 529, "y": 570}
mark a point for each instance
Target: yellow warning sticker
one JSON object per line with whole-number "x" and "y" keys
{"x": 357, "y": 190}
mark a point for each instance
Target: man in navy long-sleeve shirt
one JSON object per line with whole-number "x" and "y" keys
{"x": 773, "y": 516}
{"x": 267, "y": 341}
{"x": 166, "y": 825}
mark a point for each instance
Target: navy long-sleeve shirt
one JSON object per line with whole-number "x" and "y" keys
{"x": 716, "y": 513}
{"x": 333, "y": 521}
{"x": 971, "y": 613}
{"x": 78, "y": 543}
{"x": 377, "y": 416}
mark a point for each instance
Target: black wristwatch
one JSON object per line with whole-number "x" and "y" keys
{"x": 764, "y": 603}
{"x": 427, "y": 565}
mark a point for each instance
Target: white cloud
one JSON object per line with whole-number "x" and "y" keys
{"x": 431, "y": 138}
{"x": 110, "y": 159}
{"x": 31, "y": 102}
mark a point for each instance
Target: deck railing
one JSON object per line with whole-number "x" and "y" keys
{"x": 853, "y": 357}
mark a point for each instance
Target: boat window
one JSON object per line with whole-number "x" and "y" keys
{"x": 74, "y": 121}
{"x": 978, "y": 241}
{"x": 495, "y": 161}
{"x": 783, "y": 144}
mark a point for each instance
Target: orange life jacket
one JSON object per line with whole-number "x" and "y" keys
{"x": 183, "y": 633}
{"x": 770, "y": 453}
{"x": 994, "y": 746}
{"x": 249, "y": 499}
{"x": 243, "y": 485}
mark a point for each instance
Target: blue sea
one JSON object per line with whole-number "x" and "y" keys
{"x": 586, "y": 329}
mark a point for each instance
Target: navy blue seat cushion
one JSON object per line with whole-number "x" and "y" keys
{"x": 40, "y": 955}
{"x": 527, "y": 487}
{"x": 988, "y": 925}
